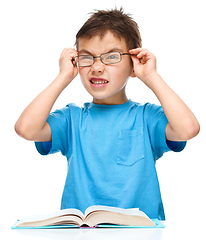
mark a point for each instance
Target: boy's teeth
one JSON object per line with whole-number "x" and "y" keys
{"x": 99, "y": 82}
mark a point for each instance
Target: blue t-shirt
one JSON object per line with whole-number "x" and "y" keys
{"x": 111, "y": 152}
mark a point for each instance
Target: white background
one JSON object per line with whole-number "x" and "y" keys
{"x": 33, "y": 34}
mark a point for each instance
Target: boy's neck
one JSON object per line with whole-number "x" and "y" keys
{"x": 111, "y": 100}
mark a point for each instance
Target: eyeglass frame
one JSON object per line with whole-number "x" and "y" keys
{"x": 121, "y": 54}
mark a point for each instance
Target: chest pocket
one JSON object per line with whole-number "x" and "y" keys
{"x": 130, "y": 147}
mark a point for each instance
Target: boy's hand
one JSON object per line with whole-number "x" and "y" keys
{"x": 144, "y": 63}
{"x": 67, "y": 65}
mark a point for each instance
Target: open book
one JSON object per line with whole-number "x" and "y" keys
{"x": 94, "y": 216}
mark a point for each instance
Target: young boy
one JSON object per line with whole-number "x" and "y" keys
{"x": 112, "y": 143}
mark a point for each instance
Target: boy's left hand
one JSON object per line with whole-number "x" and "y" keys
{"x": 144, "y": 64}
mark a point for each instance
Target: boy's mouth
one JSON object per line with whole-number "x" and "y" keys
{"x": 98, "y": 82}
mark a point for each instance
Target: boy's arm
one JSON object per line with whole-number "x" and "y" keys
{"x": 182, "y": 124}
{"x": 32, "y": 124}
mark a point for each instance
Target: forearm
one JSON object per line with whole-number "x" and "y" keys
{"x": 32, "y": 124}
{"x": 182, "y": 125}
{"x": 33, "y": 119}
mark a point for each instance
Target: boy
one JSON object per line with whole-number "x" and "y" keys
{"x": 112, "y": 143}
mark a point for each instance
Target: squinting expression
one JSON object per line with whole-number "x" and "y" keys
{"x": 106, "y": 83}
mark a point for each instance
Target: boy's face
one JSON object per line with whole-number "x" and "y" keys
{"x": 106, "y": 83}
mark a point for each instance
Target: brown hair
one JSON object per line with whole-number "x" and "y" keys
{"x": 116, "y": 21}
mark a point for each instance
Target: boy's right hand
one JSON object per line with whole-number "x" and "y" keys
{"x": 68, "y": 69}
{"x": 32, "y": 124}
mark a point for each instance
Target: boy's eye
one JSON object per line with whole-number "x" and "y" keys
{"x": 85, "y": 57}
{"x": 112, "y": 57}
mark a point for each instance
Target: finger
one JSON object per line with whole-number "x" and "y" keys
{"x": 135, "y": 60}
{"x": 69, "y": 51}
{"x": 142, "y": 54}
{"x": 64, "y": 50}
{"x": 137, "y": 50}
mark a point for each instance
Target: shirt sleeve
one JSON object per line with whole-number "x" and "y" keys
{"x": 60, "y": 124}
{"x": 176, "y": 146}
{"x": 156, "y": 123}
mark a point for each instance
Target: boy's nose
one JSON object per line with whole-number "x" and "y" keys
{"x": 98, "y": 66}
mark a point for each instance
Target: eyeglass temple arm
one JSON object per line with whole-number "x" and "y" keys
{"x": 127, "y": 54}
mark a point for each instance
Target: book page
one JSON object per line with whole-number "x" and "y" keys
{"x": 129, "y": 217}
{"x": 63, "y": 212}
{"x": 130, "y": 211}
{"x": 62, "y": 220}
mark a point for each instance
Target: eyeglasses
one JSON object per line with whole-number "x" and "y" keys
{"x": 106, "y": 58}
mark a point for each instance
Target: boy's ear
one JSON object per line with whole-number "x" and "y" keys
{"x": 132, "y": 74}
